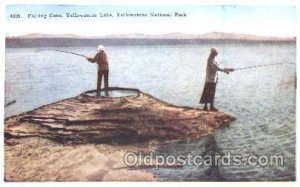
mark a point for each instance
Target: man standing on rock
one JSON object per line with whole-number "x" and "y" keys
{"x": 103, "y": 69}
{"x": 211, "y": 80}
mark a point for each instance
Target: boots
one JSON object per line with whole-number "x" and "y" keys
{"x": 205, "y": 107}
{"x": 213, "y": 109}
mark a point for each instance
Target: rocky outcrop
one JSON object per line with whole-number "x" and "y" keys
{"x": 79, "y": 126}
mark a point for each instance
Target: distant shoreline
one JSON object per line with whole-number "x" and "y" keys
{"x": 74, "y": 42}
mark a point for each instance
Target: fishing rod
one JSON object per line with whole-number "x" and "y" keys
{"x": 71, "y": 53}
{"x": 262, "y": 65}
{"x": 10, "y": 103}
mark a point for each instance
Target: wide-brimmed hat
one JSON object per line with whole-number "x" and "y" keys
{"x": 100, "y": 48}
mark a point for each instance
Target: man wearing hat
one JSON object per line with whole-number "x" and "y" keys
{"x": 103, "y": 69}
{"x": 211, "y": 80}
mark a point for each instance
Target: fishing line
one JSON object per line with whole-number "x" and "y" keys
{"x": 236, "y": 69}
{"x": 262, "y": 65}
{"x": 71, "y": 53}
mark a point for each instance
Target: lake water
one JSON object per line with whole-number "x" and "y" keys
{"x": 262, "y": 99}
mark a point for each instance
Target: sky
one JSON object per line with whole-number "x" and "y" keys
{"x": 256, "y": 20}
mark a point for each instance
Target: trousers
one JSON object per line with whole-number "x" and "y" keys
{"x": 102, "y": 73}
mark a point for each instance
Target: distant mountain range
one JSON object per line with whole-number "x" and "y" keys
{"x": 70, "y": 40}
{"x": 210, "y": 36}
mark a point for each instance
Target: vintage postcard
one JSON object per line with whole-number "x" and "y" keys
{"x": 150, "y": 92}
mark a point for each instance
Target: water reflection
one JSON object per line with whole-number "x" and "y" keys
{"x": 106, "y": 93}
{"x": 112, "y": 93}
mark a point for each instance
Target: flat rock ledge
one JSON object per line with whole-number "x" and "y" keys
{"x": 57, "y": 141}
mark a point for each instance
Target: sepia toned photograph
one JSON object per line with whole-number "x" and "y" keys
{"x": 157, "y": 92}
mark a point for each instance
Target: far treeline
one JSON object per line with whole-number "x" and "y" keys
{"x": 71, "y": 42}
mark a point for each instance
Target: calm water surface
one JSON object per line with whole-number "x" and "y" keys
{"x": 262, "y": 100}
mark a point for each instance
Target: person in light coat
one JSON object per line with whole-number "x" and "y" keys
{"x": 211, "y": 80}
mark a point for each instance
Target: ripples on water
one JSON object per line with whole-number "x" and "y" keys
{"x": 262, "y": 100}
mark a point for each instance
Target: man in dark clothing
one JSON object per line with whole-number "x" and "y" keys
{"x": 103, "y": 68}
{"x": 211, "y": 80}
